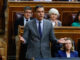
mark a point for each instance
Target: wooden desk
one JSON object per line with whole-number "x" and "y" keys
{"x": 60, "y": 32}
{"x": 72, "y": 32}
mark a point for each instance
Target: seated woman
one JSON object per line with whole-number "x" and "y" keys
{"x": 76, "y": 22}
{"x": 67, "y": 50}
{"x": 54, "y": 14}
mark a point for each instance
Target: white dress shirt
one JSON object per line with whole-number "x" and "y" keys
{"x": 70, "y": 0}
{"x": 24, "y": 26}
{"x": 53, "y": 23}
{"x": 25, "y": 20}
{"x": 68, "y": 55}
{"x": 37, "y": 23}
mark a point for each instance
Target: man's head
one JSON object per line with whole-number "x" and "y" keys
{"x": 39, "y": 12}
{"x": 27, "y": 12}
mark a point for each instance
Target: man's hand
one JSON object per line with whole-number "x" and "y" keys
{"x": 21, "y": 39}
{"x": 61, "y": 40}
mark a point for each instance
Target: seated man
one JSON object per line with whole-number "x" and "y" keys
{"x": 22, "y": 21}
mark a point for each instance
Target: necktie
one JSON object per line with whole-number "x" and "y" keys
{"x": 26, "y": 19}
{"x": 70, "y": 0}
{"x": 40, "y": 29}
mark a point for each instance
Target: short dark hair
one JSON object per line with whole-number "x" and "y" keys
{"x": 27, "y": 8}
{"x": 38, "y": 6}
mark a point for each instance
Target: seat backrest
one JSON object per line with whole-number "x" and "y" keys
{"x": 18, "y": 44}
{"x": 20, "y": 30}
{"x": 18, "y": 15}
{"x": 3, "y": 49}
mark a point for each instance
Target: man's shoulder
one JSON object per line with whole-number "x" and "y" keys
{"x": 44, "y": 20}
{"x": 31, "y": 18}
{"x": 20, "y": 18}
{"x": 31, "y": 21}
{"x": 47, "y": 21}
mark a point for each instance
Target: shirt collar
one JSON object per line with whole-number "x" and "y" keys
{"x": 37, "y": 21}
{"x": 26, "y": 19}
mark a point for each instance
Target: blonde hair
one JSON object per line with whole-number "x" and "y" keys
{"x": 72, "y": 48}
{"x": 54, "y": 10}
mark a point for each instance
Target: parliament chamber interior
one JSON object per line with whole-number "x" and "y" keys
{"x": 11, "y": 10}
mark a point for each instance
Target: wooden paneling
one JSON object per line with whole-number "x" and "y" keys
{"x": 66, "y": 10}
{"x": 72, "y": 32}
{"x": 60, "y": 32}
{"x": 2, "y": 22}
{"x": 3, "y": 49}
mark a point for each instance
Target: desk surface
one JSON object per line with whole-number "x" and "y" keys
{"x": 57, "y": 59}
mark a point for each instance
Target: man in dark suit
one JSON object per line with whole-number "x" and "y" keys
{"x": 22, "y": 21}
{"x": 37, "y": 34}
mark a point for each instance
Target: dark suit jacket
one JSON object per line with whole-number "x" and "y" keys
{"x": 38, "y": 46}
{"x": 19, "y": 21}
{"x": 23, "y": 47}
{"x": 62, "y": 54}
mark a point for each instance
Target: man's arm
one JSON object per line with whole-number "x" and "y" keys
{"x": 53, "y": 38}
{"x": 24, "y": 39}
{"x": 52, "y": 35}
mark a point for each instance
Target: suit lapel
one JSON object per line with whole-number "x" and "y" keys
{"x": 44, "y": 28}
{"x": 36, "y": 30}
{"x": 35, "y": 27}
